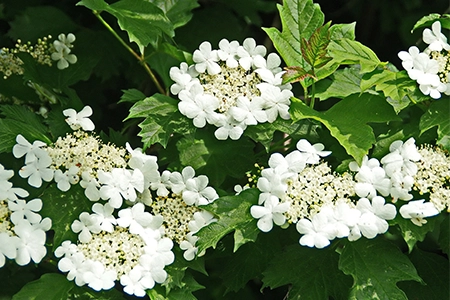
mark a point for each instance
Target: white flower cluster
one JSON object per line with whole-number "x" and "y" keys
{"x": 62, "y": 47}
{"x": 111, "y": 174}
{"x": 324, "y": 208}
{"x": 22, "y": 229}
{"x": 130, "y": 248}
{"x": 431, "y": 68}
{"x": 232, "y": 87}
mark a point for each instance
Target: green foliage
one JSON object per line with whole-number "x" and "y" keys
{"x": 162, "y": 119}
{"x": 20, "y": 120}
{"x": 340, "y": 84}
{"x": 376, "y": 266}
{"x": 299, "y": 18}
{"x": 437, "y": 115}
{"x": 233, "y": 214}
{"x": 304, "y": 268}
{"x": 427, "y": 21}
{"x": 354, "y": 133}
{"x": 144, "y": 22}
{"x": 63, "y": 207}
{"x": 49, "y": 286}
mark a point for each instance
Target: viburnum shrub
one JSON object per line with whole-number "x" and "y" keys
{"x": 296, "y": 167}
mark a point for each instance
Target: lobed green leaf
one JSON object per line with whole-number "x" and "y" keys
{"x": 299, "y": 19}
{"x": 233, "y": 214}
{"x": 312, "y": 273}
{"x": 314, "y": 50}
{"x": 353, "y": 133}
{"x": 346, "y": 51}
{"x": 340, "y": 84}
{"x": 376, "y": 266}
{"x": 427, "y": 21}
{"x": 50, "y": 286}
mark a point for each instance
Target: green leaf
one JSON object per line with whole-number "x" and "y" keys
{"x": 314, "y": 49}
{"x": 233, "y": 213}
{"x": 434, "y": 270}
{"x": 339, "y": 31}
{"x": 376, "y": 266}
{"x": 341, "y": 84}
{"x": 444, "y": 235}
{"x": 178, "y": 11}
{"x": 348, "y": 120}
{"x": 20, "y": 120}
{"x": 412, "y": 233}
{"x": 162, "y": 119}
{"x": 212, "y": 157}
{"x": 63, "y": 209}
{"x": 264, "y": 132}
{"x": 49, "y": 287}
{"x": 346, "y": 51}
{"x": 144, "y": 22}
{"x": 312, "y": 273}
{"x": 296, "y": 74}
{"x": 131, "y": 95}
{"x": 86, "y": 293}
{"x": 299, "y": 19}
{"x": 438, "y": 115}
{"x": 40, "y": 21}
{"x": 249, "y": 262}
{"x": 427, "y": 21}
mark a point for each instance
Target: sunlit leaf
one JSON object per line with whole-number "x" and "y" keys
{"x": 314, "y": 49}
{"x": 340, "y": 84}
{"x": 427, "y": 21}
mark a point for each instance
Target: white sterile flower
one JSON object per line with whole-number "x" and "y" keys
{"x": 197, "y": 191}
{"x": 66, "y": 40}
{"x": 312, "y": 153}
{"x": 228, "y": 52}
{"x": 75, "y": 264}
{"x": 22, "y": 209}
{"x": 179, "y": 180}
{"x": 80, "y": 119}
{"x": 87, "y": 225}
{"x": 206, "y": 59}
{"x": 8, "y": 247}
{"x": 248, "y": 51}
{"x": 401, "y": 185}
{"x": 316, "y": 233}
{"x": 31, "y": 244}
{"x": 135, "y": 218}
{"x": 374, "y": 215}
{"x": 161, "y": 183}
{"x": 182, "y": 77}
{"x": 288, "y": 166}
{"x": 120, "y": 183}
{"x": 91, "y": 186}
{"x": 272, "y": 63}
{"x": 63, "y": 56}
{"x": 6, "y": 188}
{"x": 64, "y": 180}
{"x": 269, "y": 77}
{"x": 105, "y": 218}
{"x": 371, "y": 180}
{"x": 31, "y": 151}
{"x": 249, "y": 112}
{"x": 276, "y": 101}
{"x": 345, "y": 217}
{"x": 38, "y": 170}
{"x": 425, "y": 73}
{"x": 132, "y": 282}
{"x": 201, "y": 109}
{"x": 189, "y": 248}
{"x": 417, "y": 210}
{"x": 409, "y": 57}
{"x": 66, "y": 248}
{"x": 435, "y": 38}
{"x": 401, "y": 157}
{"x": 201, "y": 219}
{"x": 5, "y": 175}
{"x": 98, "y": 278}
{"x": 271, "y": 212}
{"x": 229, "y": 127}
{"x": 271, "y": 185}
